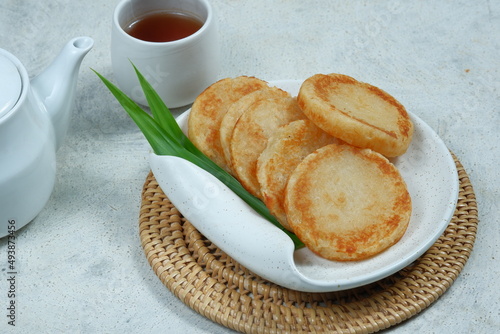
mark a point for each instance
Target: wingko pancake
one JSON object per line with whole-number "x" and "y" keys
{"x": 347, "y": 203}
{"x": 356, "y": 112}
{"x": 209, "y": 108}
{"x": 284, "y": 151}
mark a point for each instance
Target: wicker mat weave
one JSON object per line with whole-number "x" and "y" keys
{"x": 217, "y": 287}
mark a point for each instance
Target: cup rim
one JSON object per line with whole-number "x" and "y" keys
{"x": 187, "y": 39}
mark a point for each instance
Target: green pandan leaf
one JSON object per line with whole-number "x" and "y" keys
{"x": 166, "y": 138}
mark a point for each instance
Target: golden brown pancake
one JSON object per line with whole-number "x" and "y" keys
{"x": 284, "y": 151}
{"x": 357, "y": 113}
{"x": 236, "y": 110}
{"x": 209, "y": 108}
{"x": 347, "y": 203}
{"x": 251, "y": 132}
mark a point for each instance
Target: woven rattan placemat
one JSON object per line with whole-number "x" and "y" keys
{"x": 219, "y": 288}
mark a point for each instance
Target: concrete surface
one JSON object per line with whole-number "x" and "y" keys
{"x": 81, "y": 265}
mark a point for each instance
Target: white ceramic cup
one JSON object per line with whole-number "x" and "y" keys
{"x": 178, "y": 70}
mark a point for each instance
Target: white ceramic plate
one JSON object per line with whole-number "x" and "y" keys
{"x": 427, "y": 167}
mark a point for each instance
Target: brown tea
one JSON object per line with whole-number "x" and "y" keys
{"x": 164, "y": 26}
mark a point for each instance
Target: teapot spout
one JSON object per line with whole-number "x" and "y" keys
{"x": 55, "y": 87}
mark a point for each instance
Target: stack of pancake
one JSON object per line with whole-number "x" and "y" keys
{"x": 318, "y": 161}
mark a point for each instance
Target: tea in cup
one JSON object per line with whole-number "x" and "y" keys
{"x": 173, "y": 43}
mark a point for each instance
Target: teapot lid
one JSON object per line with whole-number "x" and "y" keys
{"x": 10, "y": 85}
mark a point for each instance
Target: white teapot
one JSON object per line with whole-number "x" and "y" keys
{"x": 34, "y": 118}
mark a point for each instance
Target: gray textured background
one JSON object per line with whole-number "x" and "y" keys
{"x": 81, "y": 266}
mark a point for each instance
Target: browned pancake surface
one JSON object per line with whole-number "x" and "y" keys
{"x": 347, "y": 203}
{"x": 251, "y": 133}
{"x": 356, "y": 112}
{"x": 236, "y": 110}
{"x": 209, "y": 108}
{"x": 284, "y": 151}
